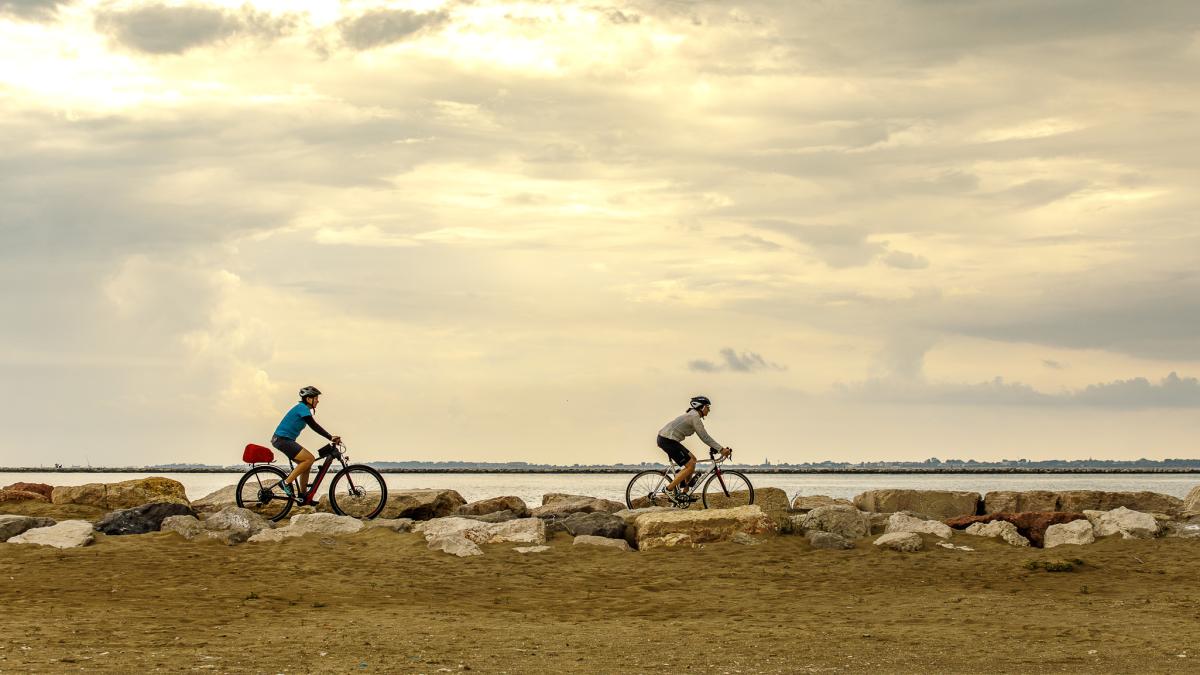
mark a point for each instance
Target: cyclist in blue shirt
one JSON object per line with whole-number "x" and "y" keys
{"x": 288, "y": 431}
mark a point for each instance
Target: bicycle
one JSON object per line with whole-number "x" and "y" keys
{"x": 356, "y": 489}
{"x": 722, "y": 489}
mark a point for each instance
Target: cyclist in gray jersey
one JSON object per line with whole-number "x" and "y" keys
{"x": 671, "y": 436}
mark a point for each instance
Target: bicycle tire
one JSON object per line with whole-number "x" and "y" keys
{"x": 659, "y": 481}
{"x": 369, "y": 509}
{"x": 262, "y": 492}
{"x": 721, "y": 498}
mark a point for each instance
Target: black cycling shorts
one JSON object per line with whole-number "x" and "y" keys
{"x": 675, "y": 450}
{"x": 287, "y": 446}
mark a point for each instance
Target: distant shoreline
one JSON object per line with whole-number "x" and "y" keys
{"x": 752, "y": 470}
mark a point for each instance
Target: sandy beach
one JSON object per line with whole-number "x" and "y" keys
{"x": 380, "y": 601}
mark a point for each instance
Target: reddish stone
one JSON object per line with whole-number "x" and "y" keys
{"x": 21, "y": 496}
{"x": 1031, "y": 524}
{"x": 40, "y": 488}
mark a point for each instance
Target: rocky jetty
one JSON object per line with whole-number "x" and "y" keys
{"x": 1031, "y": 525}
{"x": 931, "y": 503}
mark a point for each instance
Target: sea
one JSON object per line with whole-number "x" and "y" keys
{"x": 531, "y": 486}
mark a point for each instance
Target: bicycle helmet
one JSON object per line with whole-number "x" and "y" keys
{"x": 698, "y": 402}
{"x": 309, "y": 391}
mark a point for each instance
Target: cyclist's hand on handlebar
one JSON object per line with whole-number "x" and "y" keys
{"x": 336, "y": 440}
{"x": 725, "y": 452}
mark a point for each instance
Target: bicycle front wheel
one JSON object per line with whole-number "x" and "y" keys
{"x": 257, "y": 491}
{"x": 727, "y": 489}
{"x": 358, "y": 491}
{"x": 645, "y": 489}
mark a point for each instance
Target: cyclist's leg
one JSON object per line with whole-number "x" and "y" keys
{"x": 681, "y": 456}
{"x": 685, "y": 473}
{"x": 304, "y": 461}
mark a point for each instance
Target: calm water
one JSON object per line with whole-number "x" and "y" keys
{"x": 531, "y": 487}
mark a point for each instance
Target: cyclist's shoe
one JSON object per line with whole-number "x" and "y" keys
{"x": 287, "y": 490}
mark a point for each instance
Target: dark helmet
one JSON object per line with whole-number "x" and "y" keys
{"x": 309, "y": 391}
{"x": 698, "y": 402}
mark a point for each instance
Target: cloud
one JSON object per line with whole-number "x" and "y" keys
{"x": 732, "y": 361}
{"x": 905, "y": 261}
{"x": 1053, "y": 365}
{"x": 32, "y": 10}
{"x": 381, "y": 27}
{"x": 1171, "y": 391}
{"x": 174, "y": 29}
{"x": 836, "y": 245}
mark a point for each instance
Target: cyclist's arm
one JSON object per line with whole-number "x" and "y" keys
{"x": 703, "y": 434}
{"x": 312, "y": 424}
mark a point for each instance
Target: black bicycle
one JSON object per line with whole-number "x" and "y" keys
{"x": 722, "y": 489}
{"x": 356, "y": 489}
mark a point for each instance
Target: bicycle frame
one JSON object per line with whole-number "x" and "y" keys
{"x": 324, "y": 469}
{"x": 700, "y": 477}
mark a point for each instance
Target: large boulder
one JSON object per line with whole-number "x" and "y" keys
{"x": 810, "y": 502}
{"x": 141, "y": 519}
{"x": 1077, "y": 501}
{"x": 311, "y": 523}
{"x": 13, "y": 495}
{"x": 67, "y": 534}
{"x": 932, "y": 503}
{"x": 1125, "y": 522}
{"x": 422, "y": 504}
{"x": 36, "y": 488}
{"x": 462, "y": 536}
{"x": 1191, "y": 503}
{"x": 606, "y": 542}
{"x": 843, "y": 520}
{"x": 772, "y": 500}
{"x": 123, "y": 495}
{"x": 655, "y": 530}
{"x": 493, "y": 517}
{"x": 1031, "y": 525}
{"x": 230, "y": 525}
{"x": 564, "y": 505}
{"x": 11, "y": 526}
{"x": 236, "y": 524}
{"x": 592, "y": 525}
{"x": 905, "y": 542}
{"x": 493, "y": 505}
{"x": 1075, "y": 532}
{"x": 217, "y": 500}
{"x": 829, "y": 540}
{"x": 903, "y": 522}
{"x": 1001, "y": 529}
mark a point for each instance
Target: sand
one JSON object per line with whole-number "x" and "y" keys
{"x": 381, "y": 602}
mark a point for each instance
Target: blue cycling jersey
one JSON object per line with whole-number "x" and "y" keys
{"x": 293, "y": 422}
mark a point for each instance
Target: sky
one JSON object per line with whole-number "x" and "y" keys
{"x": 494, "y": 231}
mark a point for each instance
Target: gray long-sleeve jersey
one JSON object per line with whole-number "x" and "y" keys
{"x": 687, "y": 424}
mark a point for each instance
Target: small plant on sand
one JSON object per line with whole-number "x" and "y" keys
{"x": 318, "y": 604}
{"x": 252, "y": 596}
{"x": 1055, "y": 565}
{"x": 1084, "y": 589}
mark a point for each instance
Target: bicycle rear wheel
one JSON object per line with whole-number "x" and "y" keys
{"x": 358, "y": 491}
{"x": 645, "y": 489}
{"x": 727, "y": 489}
{"x": 257, "y": 491}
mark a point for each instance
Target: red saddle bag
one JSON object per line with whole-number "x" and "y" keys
{"x": 257, "y": 454}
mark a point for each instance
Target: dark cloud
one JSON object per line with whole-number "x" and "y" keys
{"x": 732, "y": 361}
{"x": 32, "y": 10}
{"x": 381, "y": 27}
{"x": 905, "y": 261}
{"x": 1172, "y": 391}
{"x": 1053, "y": 365}
{"x": 163, "y": 29}
{"x": 836, "y": 245}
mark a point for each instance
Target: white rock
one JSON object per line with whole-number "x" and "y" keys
{"x": 215, "y": 501}
{"x": 590, "y": 540}
{"x": 311, "y": 523}
{"x": 1125, "y": 522}
{"x": 189, "y": 527}
{"x": 67, "y": 534}
{"x": 455, "y": 545}
{"x": 393, "y": 524}
{"x": 906, "y": 542}
{"x": 519, "y": 531}
{"x": 952, "y": 547}
{"x": 240, "y": 523}
{"x": 998, "y": 528}
{"x": 1074, "y": 532}
{"x": 530, "y": 549}
{"x": 899, "y": 523}
{"x": 698, "y": 527}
